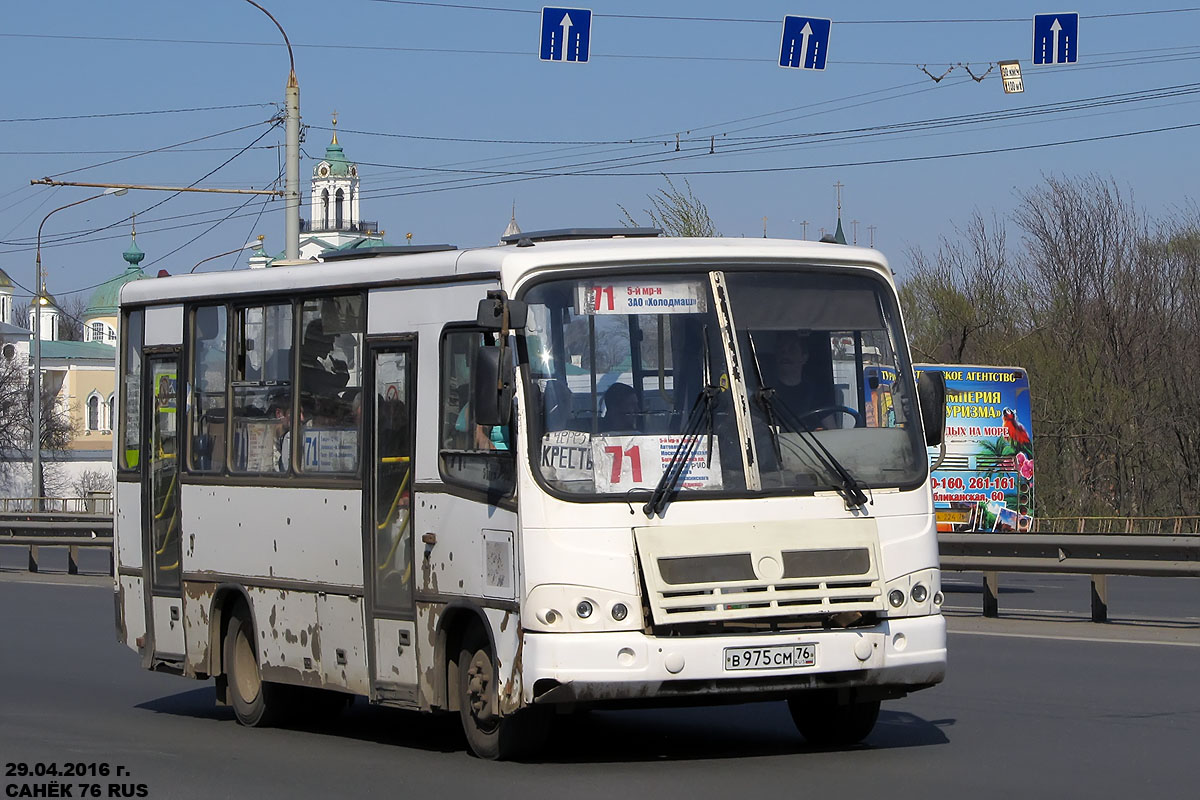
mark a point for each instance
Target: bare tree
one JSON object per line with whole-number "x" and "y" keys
{"x": 1102, "y": 306}
{"x": 960, "y": 301}
{"x": 92, "y": 480}
{"x": 676, "y": 212}
{"x": 70, "y": 321}
{"x": 16, "y": 415}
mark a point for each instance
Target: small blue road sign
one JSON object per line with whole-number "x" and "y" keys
{"x": 805, "y": 42}
{"x": 566, "y": 34}
{"x": 1055, "y": 38}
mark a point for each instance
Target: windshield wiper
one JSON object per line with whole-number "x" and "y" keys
{"x": 701, "y": 414}
{"x": 846, "y": 485}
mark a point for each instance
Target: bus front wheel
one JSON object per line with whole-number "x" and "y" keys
{"x": 824, "y": 722}
{"x": 253, "y": 699}
{"x": 490, "y": 735}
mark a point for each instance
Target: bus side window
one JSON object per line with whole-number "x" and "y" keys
{"x": 207, "y": 389}
{"x": 262, "y": 389}
{"x": 470, "y": 454}
{"x": 131, "y": 393}
{"x": 330, "y": 381}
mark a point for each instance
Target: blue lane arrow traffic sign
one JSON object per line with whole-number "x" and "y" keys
{"x": 566, "y": 34}
{"x": 1055, "y": 38}
{"x": 805, "y": 42}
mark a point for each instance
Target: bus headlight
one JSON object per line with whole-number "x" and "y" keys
{"x": 620, "y": 611}
{"x": 919, "y": 593}
{"x": 584, "y": 609}
{"x": 896, "y": 598}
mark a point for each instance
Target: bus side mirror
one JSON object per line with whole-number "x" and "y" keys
{"x": 931, "y": 396}
{"x": 490, "y": 315}
{"x": 492, "y": 389}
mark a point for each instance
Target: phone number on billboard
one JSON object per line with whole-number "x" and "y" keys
{"x": 1001, "y": 482}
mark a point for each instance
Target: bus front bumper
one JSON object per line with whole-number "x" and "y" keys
{"x": 887, "y": 660}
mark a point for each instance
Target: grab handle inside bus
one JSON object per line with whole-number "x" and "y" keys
{"x": 931, "y": 396}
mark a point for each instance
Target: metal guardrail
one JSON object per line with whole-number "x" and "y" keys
{"x": 1095, "y": 555}
{"x": 1090, "y": 525}
{"x": 95, "y": 504}
{"x": 72, "y": 530}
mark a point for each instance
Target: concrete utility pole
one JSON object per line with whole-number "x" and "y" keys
{"x": 291, "y": 186}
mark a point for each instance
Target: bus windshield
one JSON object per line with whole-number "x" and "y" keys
{"x": 616, "y": 369}
{"x": 620, "y": 368}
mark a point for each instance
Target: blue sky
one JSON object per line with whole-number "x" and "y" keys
{"x": 412, "y": 83}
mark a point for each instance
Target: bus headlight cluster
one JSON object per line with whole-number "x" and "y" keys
{"x": 564, "y": 608}
{"x": 910, "y": 595}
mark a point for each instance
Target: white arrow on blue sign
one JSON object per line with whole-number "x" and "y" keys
{"x": 805, "y": 42}
{"x": 566, "y": 34}
{"x": 1056, "y": 38}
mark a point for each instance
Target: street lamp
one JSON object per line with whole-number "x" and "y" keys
{"x": 256, "y": 243}
{"x": 39, "y": 300}
{"x": 291, "y": 186}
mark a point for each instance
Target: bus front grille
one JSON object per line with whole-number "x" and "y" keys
{"x": 779, "y": 570}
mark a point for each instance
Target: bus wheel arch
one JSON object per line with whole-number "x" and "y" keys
{"x": 255, "y": 702}
{"x": 454, "y": 624}
{"x": 226, "y": 599}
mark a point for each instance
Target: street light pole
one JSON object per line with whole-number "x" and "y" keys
{"x": 256, "y": 243}
{"x": 291, "y": 186}
{"x": 39, "y": 300}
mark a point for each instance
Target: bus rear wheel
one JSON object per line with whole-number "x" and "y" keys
{"x": 254, "y": 700}
{"x": 825, "y": 722}
{"x": 490, "y": 735}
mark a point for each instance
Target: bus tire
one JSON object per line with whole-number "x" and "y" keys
{"x": 824, "y": 722}
{"x": 489, "y": 735}
{"x": 255, "y": 702}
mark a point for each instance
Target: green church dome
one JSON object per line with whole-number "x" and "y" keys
{"x": 105, "y": 301}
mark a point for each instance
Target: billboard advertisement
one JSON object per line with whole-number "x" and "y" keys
{"x": 986, "y": 480}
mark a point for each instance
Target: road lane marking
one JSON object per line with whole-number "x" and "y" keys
{"x": 1094, "y": 639}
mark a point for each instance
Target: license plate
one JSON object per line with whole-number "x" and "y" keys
{"x": 777, "y": 657}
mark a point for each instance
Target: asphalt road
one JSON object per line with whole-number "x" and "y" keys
{"x": 1035, "y": 705}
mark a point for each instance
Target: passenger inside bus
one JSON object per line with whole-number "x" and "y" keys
{"x": 281, "y": 411}
{"x": 622, "y": 409}
{"x": 481, "y": 437}
{"x": 323, "y": 374}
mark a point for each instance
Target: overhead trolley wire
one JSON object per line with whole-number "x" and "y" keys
{"x": 129, "y": 113}
{"x": 776, "y": 21}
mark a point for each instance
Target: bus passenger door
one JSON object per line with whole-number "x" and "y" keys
{"x": 161, "y": 527}
{"x": 388, "y": 545}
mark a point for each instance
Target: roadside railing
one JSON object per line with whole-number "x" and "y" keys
{"x": 1094, "y": 555}
{"x": 55, "y": 529}
{"x": 95, "y": 504}
{"x": 1097, "y": 555}
{"x": 1172, "y": 526}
